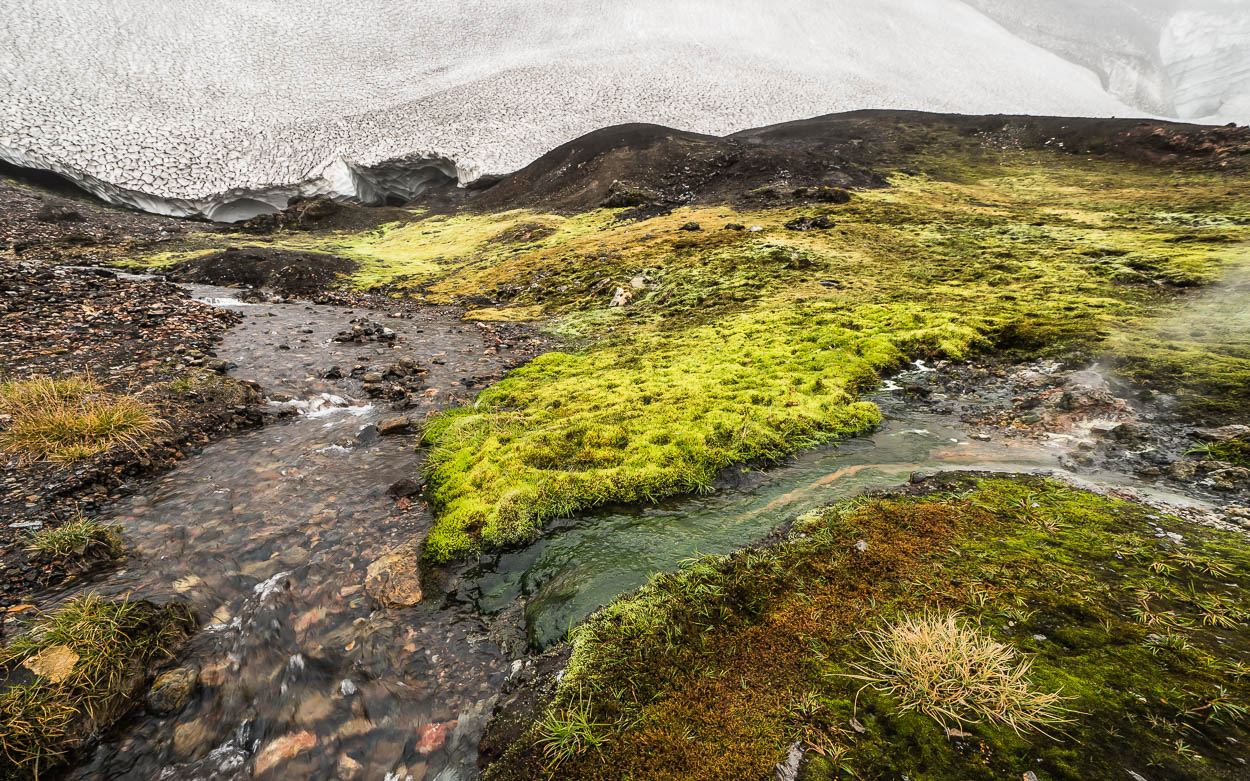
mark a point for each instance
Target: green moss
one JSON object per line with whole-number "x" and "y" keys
{"x": 661, "y": 413}
{"x": 744, "y": 345}
{"x": 712, "y": 672}
{"x": 1231, "y": 451}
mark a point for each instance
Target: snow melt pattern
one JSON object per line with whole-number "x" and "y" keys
{"x": 227, "y": 108}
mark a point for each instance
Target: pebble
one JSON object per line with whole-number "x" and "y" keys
{"x": 171, "y": 689}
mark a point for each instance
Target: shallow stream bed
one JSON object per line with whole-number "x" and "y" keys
{"x": 268, "y": 534}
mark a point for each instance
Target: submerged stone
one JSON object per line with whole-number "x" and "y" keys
{"x": 394, "y": 580}
{"x": 171, "y": 689}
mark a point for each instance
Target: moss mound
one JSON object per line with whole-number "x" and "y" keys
{"x": 1130, "y": 624}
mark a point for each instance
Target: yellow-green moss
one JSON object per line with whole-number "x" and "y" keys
{"x": 742, "y": 345}
{"x": 659, "y": 413}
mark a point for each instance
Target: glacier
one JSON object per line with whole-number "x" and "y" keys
{"x": 239, "y": 106}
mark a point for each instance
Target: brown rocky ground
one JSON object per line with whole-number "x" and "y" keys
{"x": 44, "y": 216}
{"x": 130, "y": 336}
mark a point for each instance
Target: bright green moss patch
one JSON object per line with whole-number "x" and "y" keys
{"x": 1135, "y": 640}
{"x": 660, "y": 413}
{"x": 75, "y": 671}
{"x": 739, "y": 345}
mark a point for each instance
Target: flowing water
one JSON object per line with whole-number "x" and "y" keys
{"x": 267, "y": 535}
{"x": 582, "y": 564}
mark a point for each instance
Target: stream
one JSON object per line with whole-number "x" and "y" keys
{"x": 581, "y": 564}
{"x": 267, "y": 535}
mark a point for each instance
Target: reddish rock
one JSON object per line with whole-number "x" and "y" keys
{"x": 432, "y": 737}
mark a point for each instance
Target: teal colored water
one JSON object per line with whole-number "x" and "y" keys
{"x": 579, "y": 565}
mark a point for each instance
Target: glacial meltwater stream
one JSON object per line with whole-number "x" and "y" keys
{"x": 267, "y": 535}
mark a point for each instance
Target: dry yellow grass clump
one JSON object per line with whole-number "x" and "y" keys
{"x": 946, "y": 668}
{"x": 71, "y": 418}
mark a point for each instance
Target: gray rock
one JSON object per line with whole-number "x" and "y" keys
{"x": 789, "y": 770}
{"x": 404, "y": 488}
{"x": 1125, "y": 432}
{"x": 394, "y": 424}
{"x": 1182, "y": 470}
{"x": 1224, "y": 433}
{"x": 1230, "y": 479}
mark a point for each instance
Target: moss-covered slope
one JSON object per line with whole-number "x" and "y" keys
{"x": 753, "y": 335}
{"x": 1137, "y": 621}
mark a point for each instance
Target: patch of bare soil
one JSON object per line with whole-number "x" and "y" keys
{"x": 283, "y": 271}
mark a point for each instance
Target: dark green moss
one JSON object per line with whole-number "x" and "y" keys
{"x": 1232, "y": 451}
{"x": 714, "y": 671}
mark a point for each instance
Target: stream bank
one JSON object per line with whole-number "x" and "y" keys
{"x": 269, "y": 535}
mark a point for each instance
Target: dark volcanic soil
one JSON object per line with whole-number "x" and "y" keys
{"x": 283, "y": 271}
{"x": 44, "y": 216}
{"x": 650, "y": 167}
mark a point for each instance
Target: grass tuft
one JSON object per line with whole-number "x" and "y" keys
{"x": 65, "y": 420}
{"x": 75, "y": 537}
{"x": 946, "y": 668}
{"x": 73, "y": 671}
{"x": 568, "y": 732}
{"x": 1231, "y": 451}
